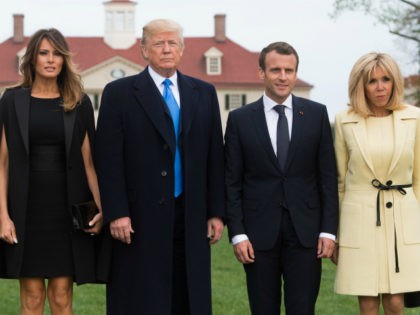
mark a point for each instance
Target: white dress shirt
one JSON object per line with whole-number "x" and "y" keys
{"x": 158, "y": 79}
{"x": 271, "y": 117}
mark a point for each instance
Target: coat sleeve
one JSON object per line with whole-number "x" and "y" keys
{"x": 416, "y": 166}
{"x": 342, "y": 158}
{"x": 87, "y": 121}
{"x": 341, "y": 155}
{"x": 327, "y": 178}
{"x": 215, "y": 165}
{"x": 233, "y": 178}
{"x": 109, "y": 156}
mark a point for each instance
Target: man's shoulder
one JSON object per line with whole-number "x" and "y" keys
{"x": 124, "y": 82}
{"x": 195, "y": 81}
{"x": 250, "y": 107}
{"x": 297, "y": 100}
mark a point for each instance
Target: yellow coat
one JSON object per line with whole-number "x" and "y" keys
{"x": 357, "y": 270}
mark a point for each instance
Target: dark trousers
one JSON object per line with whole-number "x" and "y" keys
{"x": 180, "y": 303}
{"x": 297, "y": 266}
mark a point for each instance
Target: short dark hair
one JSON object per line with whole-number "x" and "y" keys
{"x": 282, "y": 48}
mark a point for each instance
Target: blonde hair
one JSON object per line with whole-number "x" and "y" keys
{"x": 69, "y": 81}
{"x": 159, "y": 26}
{"x": 361, "y": 74}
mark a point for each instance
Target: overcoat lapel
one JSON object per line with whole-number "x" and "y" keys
{"x": 69, "y": 119}
{"x": 401, "y": 130}
{"x": 188, "y": 97}
{"x": 22, "y": 107}
{"x": 149, "y": 97}
{"x": 260, "y": 124}
{"x": 360, "y": 134}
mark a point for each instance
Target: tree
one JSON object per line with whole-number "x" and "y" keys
{"x": 401, "y": 16}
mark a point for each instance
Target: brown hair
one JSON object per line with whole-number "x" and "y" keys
{"x": 281, "y": 48}
{"x": 69, "y": 81}
{"x": 361, "y": 74}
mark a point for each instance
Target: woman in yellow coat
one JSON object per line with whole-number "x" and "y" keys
{"x": 377, "y": 143}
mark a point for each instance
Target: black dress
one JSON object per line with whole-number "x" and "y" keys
{"x": 47, "y": 237}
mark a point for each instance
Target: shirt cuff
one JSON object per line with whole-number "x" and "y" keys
{"x": 239, "y": 238}
{"x": 327, "y": 235}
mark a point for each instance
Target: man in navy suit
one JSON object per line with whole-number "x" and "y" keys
{"x": 281, "y": 186}
{"x": 160, "y": 164}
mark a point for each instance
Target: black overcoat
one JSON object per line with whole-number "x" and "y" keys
{"x": 14, "y": 117}
{"x": 134, "y": 150}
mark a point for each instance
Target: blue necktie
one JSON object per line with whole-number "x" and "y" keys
{"x": 174, "y": 110}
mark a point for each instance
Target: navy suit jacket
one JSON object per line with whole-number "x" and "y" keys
{"x": 256, "y": 187}
{"x": 135, "y": 150}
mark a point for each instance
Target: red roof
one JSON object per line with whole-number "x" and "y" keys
{"x": 239, "y": 65}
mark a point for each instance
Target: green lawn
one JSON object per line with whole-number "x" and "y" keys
{"x": 229, "y": 291}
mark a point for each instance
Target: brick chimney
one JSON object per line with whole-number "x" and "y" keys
{"x": 18, "y": 36}
{"x": 220, "y": 27}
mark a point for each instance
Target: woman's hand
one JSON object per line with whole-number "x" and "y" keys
{"x": 96, "y": 224}
{"x": 8, "y": 231}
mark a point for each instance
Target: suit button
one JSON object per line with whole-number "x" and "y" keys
{"x": 163, "y": 173}
{"x": 165, "y": 147}
{"x": 389, "y": 183}
{"x": 389, "y": 204}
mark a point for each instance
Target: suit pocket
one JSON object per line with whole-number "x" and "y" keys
{"x": 350, "y": 225}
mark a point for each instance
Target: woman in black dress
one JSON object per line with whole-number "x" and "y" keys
{"x": 46, "y": 166}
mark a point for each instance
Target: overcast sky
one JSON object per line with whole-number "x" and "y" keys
{"x": 327, "y": 48}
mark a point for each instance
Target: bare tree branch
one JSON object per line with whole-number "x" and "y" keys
{"x": 405, "y": 36}
{"x": 414, "y": 5}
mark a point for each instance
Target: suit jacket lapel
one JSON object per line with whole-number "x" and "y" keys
{"x": 69, "y": 119}
{"x": 297, "y": 126}
{"x": 22, "y": 107}
{"x": 149, "y": 97}
{"x": 260, "y": 124}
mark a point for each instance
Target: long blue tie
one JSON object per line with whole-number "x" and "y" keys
{"x": 174, "y": 110}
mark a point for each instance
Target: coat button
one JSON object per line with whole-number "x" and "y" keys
{"x": 165, "y": 147}
{"x": 389, "y": 204}
{"x": 161, "y": 201}
{"x": 389, "y": 183}
{"x": 163, "y": 173}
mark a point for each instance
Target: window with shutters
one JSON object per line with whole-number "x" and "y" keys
{"x": 233, "y": 101}
{"x": 213, "y": 61}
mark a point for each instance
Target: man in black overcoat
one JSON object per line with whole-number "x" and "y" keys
{"x": 161, "y": 181}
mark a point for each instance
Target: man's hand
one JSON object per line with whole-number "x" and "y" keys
{"x": 121, "y": 229}
{"x": 334, "y": 257}
{"x": 325, "y": 247}
{"x": 244, "y": 252}
{"x": 214, "y": 230}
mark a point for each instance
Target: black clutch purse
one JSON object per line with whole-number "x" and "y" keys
{"x": 83, "y": 213}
